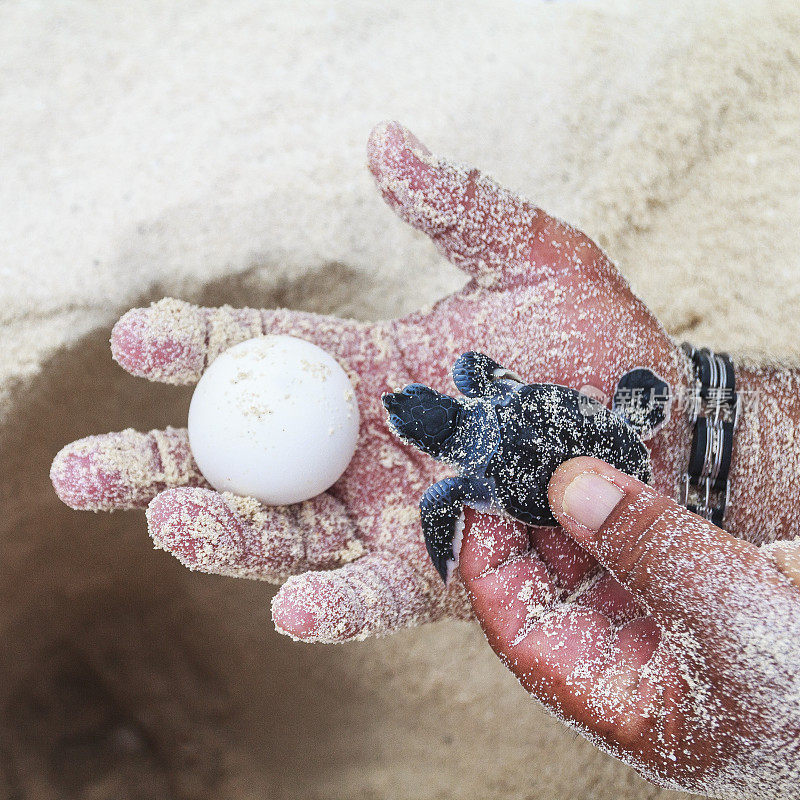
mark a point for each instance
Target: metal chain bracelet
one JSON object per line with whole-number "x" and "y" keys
{"x": 712, "y": 411}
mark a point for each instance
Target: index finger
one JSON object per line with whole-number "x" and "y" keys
{"x": 173, "y": 341}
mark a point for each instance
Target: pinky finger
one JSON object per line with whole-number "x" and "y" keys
{"x": 375, "y": 595}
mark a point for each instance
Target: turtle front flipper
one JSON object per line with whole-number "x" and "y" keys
{"x": 477, "y": 375}
{"x": 441, "y": 510}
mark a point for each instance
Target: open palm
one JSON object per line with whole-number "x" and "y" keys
{"x": 543, "y": 300}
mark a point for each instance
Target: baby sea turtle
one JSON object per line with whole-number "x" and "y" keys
{"x": 505, "y": 438}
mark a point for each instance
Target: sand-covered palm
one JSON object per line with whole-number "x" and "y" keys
{"x": 543, "y": 300}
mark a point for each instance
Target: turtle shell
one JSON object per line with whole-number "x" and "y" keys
{"x": 543, "y": 425}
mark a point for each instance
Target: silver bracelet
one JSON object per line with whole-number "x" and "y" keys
{"x": 712, "y": 411}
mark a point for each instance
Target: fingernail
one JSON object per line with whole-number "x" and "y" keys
{"x": 589, "y": 499}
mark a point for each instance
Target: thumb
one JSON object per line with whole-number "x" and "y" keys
{"x": 692, "y": 576}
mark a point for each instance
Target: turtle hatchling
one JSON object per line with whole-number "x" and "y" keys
{"x": 505, "y": 438}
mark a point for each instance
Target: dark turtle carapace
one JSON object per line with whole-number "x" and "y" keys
{"x": 505, "y": 438}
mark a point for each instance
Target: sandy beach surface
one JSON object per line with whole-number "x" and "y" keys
{"x": 215, "y": 152}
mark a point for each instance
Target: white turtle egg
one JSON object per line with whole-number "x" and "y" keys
{"x": 275, "y": 418}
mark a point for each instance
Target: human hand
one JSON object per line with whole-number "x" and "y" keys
{"x": 680, "y": 655}
{"x": 543, "y": 300}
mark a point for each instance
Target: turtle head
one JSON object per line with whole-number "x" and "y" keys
{"x": 423, "y": 417}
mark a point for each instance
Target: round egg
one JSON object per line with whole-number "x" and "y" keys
{"x": 275, "y": 418}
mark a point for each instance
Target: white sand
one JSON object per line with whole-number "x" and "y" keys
{"x": 217, "y": 154}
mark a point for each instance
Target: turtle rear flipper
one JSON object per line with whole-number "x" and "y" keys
{"x": 642, "y": 399}
{"x": 441, "y": 510}
{"x": 477, "y": 375}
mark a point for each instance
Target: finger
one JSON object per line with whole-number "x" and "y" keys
{"x": 123, "y": 470}
{"x": 173, "y": 342}
{"x": 571, "y": 657}
{"x": 373, "y": 596}
{"x": 225, "y": 534}
{"x": 611, "y": 598}
{"x": 562, "y": 568}
{"x": 508, "y": 584}
{"x": 569, "y": 563}
{"x": 786, "y": 557}
{"x": 580, "y": 578}
{"x": 491, "y": 233}
{"x": 695, "y": 579}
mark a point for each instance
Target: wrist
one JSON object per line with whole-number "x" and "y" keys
{"x": 764, "y": 477}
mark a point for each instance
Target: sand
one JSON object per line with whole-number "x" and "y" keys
{"x": 217, "y": 154}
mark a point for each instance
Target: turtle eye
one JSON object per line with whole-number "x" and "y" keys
{"x": 435, "y": 419}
